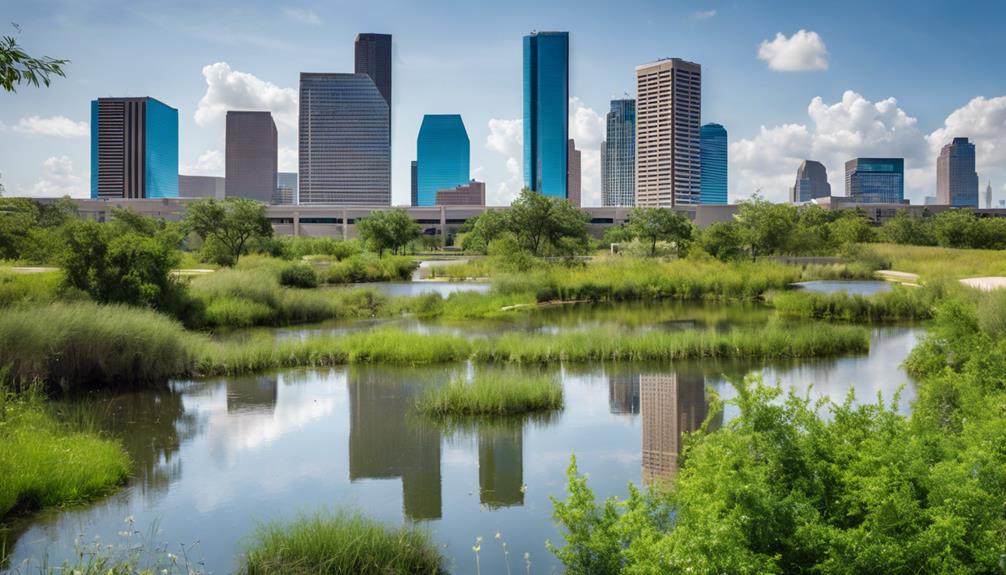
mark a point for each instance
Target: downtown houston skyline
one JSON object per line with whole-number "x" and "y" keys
{"x": 788, "y": 82}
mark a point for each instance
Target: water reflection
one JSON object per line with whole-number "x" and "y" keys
{"x": 623, "y": 393}
{"x": 670, "y": 404}
{"x": 501, "y": 464}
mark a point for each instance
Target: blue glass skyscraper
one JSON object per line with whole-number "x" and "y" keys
{"x": 875, "y": 180}
{"x": 442, "y": 156}
{"x": 546, "y": 112}
{"x": 713, "y": 164}
{"x": 618, "y": 155}
{"x": 134, "y": 148}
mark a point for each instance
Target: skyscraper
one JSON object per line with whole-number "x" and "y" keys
{"x": 713, "y": 164}
{"x": 811, "y": 182}
{"x": 668, "y": 116}
{"x": 443, "y": 154}
{"x": 956, "y": 179}
{"x": 618, "y": 155}
{"x": 286, "y": 188}
{"x": 573, "y": 175}
{"x": 546, "y": 112}
{"x": 373, "y": 58}
{"x": 250, "y": 158}
{"x": 875, "y": 180}
{"x": 414, "y": 187}
{"x": 134, "y": 148}
{"x": 345, "y": 144}
{"x": 988, "y": 195}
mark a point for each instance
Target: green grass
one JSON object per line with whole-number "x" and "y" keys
{"x": 932, "y": 263}
{"x": 493, "y": 394}
{"x": 773, "y": 341}
{"x": 341, "y": 543}
{"x": 368, "y": 268}
{"x": 899, "y": 304}
{"x": 45, "y": 464}
{"x": 25, "y": 289}
{"x": 81, "y": 345}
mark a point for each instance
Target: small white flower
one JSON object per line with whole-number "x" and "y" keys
{"x": 498, "y": 535}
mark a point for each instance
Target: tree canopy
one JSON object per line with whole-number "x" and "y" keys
{"x": 660, "y": 224}
{"x": 541, "y": 225}
{"x": 228, "y": 228}
{"x": 18, "y": 68}
{"x": 388, "y": 230}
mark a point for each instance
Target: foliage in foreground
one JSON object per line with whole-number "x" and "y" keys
{"x": 782, "y": 489}
{"x": 901, "y": 303}
{"x": 340, "y": 544}
{"x": 44, "y": 463}
{"x": 493, "y": 394}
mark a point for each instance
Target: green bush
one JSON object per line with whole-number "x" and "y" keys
{"x": 298, "y": 276}
{"x": 493, "y": 394}
{"x": 369, "y": 268}
{"x": 901, "y": 303}
{"x": 237, "y": 312}
{"x": 298, "y": 247}
{"x": 340, "y": 543}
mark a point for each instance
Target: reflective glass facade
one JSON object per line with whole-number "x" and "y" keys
{"x": 546, "y": 112}
{"x": 713, "y": 164}
{"x": 811, "y": 182}
{"x": 956, "y": 179}
{"x": 618, "y": 155}
{"x": 345, "y": 145}
{"x": 875, "y": 180}
{"x": 443, "y": 156}
{"x": 134, "y": 148}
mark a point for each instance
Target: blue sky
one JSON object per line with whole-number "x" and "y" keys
{"x": 843, "y": 79}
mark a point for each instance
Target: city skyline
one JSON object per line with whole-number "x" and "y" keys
{"x": 752, "y": 79}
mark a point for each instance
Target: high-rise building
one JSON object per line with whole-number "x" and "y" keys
{"x": 373, "y": 58}
{"x": 668, "y": 118}
{"x": 443, "y": 156}
{"x": 713, "y": 164}
{"x": 345, "y": 144}
{"x": 251, "y": 155}
{"x": 618, "y": 155}
{"x": 546, "y": 112}
{"x": 988, "y": 195}
{"x": 201, "y": 187}
{"x": 501, "y": 465}
{"x": 956, "y": 179}
{"x": 134, "y": 148}
{"x": 414, "y": 187}
{"x": 471, "y": 194}
{"x": 875, "y": 180}
{"x": 573, "y": 174}
{"x": 811, "y": 182}
{"x": 286, "y": 188}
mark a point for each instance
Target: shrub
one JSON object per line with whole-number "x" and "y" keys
{"x": 298, "y": 276}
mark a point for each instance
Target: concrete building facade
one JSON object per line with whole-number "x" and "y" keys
{"x": 134, "y": 148}
{"x": 618, "y": 155}
{"x": 251, "y": 155}
{"x": 668, "y": 120}
{"x": 201, "y": 187}
{"x": 956, "y": 179}
{"x": 471, "y": 194}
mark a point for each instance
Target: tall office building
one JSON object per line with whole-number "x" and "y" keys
{"x": 811, "y": 182}
{"x": 414, "y": 187}
{"x": 373, "y": 58}
{"x": 201, "y": 187}
{"x": 546, "y": 112}
{"x": 286, "y": 188}
{"x": 956, "y": 179}
{"x": 713, "y": 164}
{"x": 988, "y": 195}
{"x": 251, "y": 156}
{"x": 134, "y": 148}
{"x": 618, "y": 155}
{"x": 668, "y": 118}
{"x": 875, "y": 180}
{"x": 345, "y": 144}
{"x": 443, "y": 156}
{"x": 573, "y": 175}
{"x": 501, "y": 465}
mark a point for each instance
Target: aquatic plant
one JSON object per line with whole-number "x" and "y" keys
{"x": 494, "y": 395}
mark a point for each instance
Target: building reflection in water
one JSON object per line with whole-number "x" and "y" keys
{"x": 623, "y": 393}
{"x": 670, "y": 404}
{"x": 501, "y": 464}
{"x": 387, "y": 440}
{"x": 257, "y": 393}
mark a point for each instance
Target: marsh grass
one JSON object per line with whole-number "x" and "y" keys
{"x": 44, "y": 463}
{"x": 932, "y": 263}
{"x": 340, "y": 543}
{"x": 368, "y": 268}
{"x": 24, "y": 289}
{"x": 899, "y": 304}
{"x": 493, "y": 395}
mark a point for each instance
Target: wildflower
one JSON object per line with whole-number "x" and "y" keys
{"x": 130, "y": 520}
{"x": 498, "y": 535}
{"x": 523, "y": 488}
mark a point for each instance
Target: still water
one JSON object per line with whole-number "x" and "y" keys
{"x": 215, "y": 457}
{"x": 414, "y": 288}
{"x": 851, "y": 287}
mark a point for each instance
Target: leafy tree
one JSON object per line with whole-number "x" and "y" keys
{"x": 228, "y": 228}
{"x": 480, "y": 231}
{"x": 18, "y": 68}
{"x": 660, "y": 224}
{"x": 766, "y": 227}
{"x": 906, "y": 229}
{"x": 957, "y": 229}
{"x": 544, "y": 224}
{"x": 853, "y": 228}
{"x": 388, "y": 230}
{"x": 29, "y": 229}
{"x": 722, "y": 240}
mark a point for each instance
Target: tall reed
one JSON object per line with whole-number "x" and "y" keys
{"x": 493, "y": 394}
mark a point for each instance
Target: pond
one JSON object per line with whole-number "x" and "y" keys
{"x": 214, "y": 457}
{"x": 851, "y": 287}
{"x": 421, "y": 287}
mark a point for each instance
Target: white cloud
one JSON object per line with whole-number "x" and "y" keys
{"x": 587, "y": 128}
{"x": 228, "y": 89}
{"x": 288, "y": 159}
{"x": 506, "y": 137}
{"x": 703, "y": 15}
{"x": 209, "y": 163}
{"x": 983, "y": 121}
{"x": 800, "y": 52}
{"x": 57, "y": 179}
{"x": 58, "y": 126}
{"x": 302, "y": 16}
{"x": 850, "y": 128}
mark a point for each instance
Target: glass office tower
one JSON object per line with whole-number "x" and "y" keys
{"x": 443, "y": 156}
{"x": 618, "y": 155}
{"x": 546, "y": 112}
{"x": 956, "y": 179}
{"x": 345, "y": 145}
{"x": 134, "y": 148}
{"x": 713, "y": 164}
{"x": 875, "y": 180}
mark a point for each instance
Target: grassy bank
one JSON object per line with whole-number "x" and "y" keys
{"x": 493, "y": 394}
{"x": 339, "y": 544}
{"x": 368, "y": 268}
{"x": 774, "y": 341}
{"x": 45, "y": 464}
{"x": 948, "y": 263}
{"x": 899, "y": 304}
